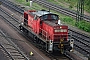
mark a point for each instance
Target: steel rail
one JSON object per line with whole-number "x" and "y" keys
{"x": 12, "y": 5}
{"x": 81, "y": 41}
{"x": 84, "y": 46}
{"x": 16, "y": 28}
{"x": 70, "y": 57}
{"x": 61, "y": 9}
{"x": 48, "y": 5}
{"x": 71, "y": 13}
{"x": 80, "y": 34}
{"x": 12, "y": 19}
{"x": 13, "y": 45}
{"x": 7, "y": 52}
{"x": 11, "y": 23}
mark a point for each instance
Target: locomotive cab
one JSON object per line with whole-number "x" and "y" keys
{"x": 46, "y": 30}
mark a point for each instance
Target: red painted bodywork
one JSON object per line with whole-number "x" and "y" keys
{"x": 46, "y": 28}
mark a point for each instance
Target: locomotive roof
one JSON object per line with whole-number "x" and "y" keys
{"x": 51, "y": 23}
{"x": 40, "y": 13}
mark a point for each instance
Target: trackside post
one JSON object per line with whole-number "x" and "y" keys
{"x": 72, "y": 44}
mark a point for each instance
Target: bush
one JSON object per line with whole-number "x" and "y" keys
{"x": 67, "y": 19}
{"x": 84, "y": 26}
{"x": 27, "y": 4}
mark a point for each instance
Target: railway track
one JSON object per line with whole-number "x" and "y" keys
{"x": 10, "y": 49}
{"x": 14, "y": 23}
{"x": 48, "y": 5}
{"x": 12, "y": 6}
{"x": 80, "y": 43}
{"x": 60, "y": 9}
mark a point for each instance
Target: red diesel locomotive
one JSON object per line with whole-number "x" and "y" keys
{"x": 44, "y": 27}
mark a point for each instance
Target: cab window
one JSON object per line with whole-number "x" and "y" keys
{"x": 49, "y": 17}
{"x": 55, "y": 17}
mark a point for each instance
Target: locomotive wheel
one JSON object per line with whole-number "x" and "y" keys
{"x": 35, "y": 39}
{"x": 21, "y": 28}
{"x": 25, "y": 31}
{"x": 42, "y": 44}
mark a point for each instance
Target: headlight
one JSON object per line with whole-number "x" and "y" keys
{"x": 22, "y": 23}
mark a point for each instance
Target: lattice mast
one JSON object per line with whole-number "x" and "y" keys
{"x": 80, "y": 10}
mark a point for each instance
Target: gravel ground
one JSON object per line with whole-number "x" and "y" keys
{"x": 83, "y": 57}
{"x": 24, "y": 45}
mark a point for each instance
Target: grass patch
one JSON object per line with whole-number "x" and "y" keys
{"x": 68, "y": 20}
{"x": 72, "y": 4}
{"x": 84, "y": 26}
{"x": 20, "y": 1}
{"x": 27, "y": 4}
